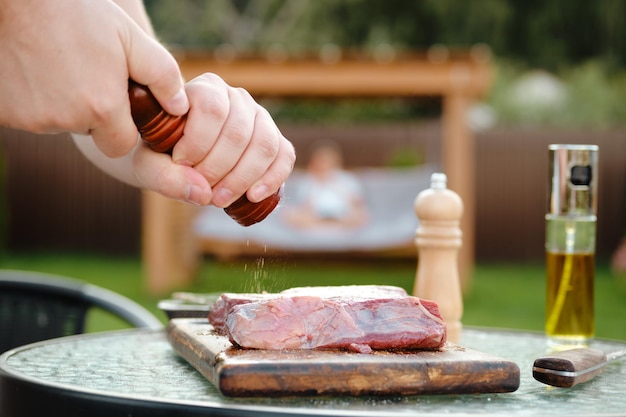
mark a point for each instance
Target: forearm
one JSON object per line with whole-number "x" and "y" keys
{"x": 118, "y": 168}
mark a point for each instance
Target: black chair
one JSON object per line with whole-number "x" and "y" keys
{"x": 35, "y": 306}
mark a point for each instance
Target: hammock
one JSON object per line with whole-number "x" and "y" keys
{"x": 389, "y": 195}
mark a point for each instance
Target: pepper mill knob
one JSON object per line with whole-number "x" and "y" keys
{"x": 160, "y": 131}
{"x": 438, "y": 239}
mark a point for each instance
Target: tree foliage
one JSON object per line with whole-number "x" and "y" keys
{"x": 548, "y": 34}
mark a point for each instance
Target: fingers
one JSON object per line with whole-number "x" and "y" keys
{"x": 227, "y": 152}
{"x": 150, "y": 64}
{"x": 276, "y": 175}
{"x": 157, "y": 172}
{"x": 266, "y": 163}
{"x": 209, "y": 109}
{"x": 233, "y": 142}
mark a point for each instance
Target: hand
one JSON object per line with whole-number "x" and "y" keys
{"x": 231, "y": 141}
{"x": 230, "y": 144}
{"x": 65, "y": 67}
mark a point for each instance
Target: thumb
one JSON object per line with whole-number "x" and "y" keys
{"x": 156, "y": 172}
{"x": 150, "y": 64}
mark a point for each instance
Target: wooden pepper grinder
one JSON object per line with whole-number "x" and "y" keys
{"x": 161, "y": 131}
{"x": 438, "y": 239}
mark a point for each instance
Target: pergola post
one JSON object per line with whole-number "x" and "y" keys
{"x": 459, "y": 166}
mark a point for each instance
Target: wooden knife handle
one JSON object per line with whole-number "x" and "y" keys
{"x": 160, "y": 131}
{"x": 569, "y": 367}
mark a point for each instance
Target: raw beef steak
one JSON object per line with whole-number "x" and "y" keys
{"x": 354, "y": 323}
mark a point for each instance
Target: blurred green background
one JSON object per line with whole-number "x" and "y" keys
{"x": 580, "y": 44}
{"x": 577, "y": 47}
{"x": 503, "y": 295}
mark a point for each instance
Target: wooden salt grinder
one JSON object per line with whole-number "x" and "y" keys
{"x": 160, "y": 131}
{"x": 438, "y": 239}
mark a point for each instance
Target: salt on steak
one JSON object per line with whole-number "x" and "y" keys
{"x": 357, "y": 318}
{"x": 354, "y": 291}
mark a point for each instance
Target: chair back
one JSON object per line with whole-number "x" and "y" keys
{"x": 35, "y": 306}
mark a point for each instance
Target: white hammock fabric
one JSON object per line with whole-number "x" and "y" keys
{"x": 389, "y": 195}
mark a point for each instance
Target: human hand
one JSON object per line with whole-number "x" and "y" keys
{"x": 65, "y": 67}
{"x": 230, "y": 141}
{"x": 259, "y": 157}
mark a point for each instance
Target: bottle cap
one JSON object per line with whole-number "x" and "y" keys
{"x": 573, "y": 179}
{"x": 438, "y": 181}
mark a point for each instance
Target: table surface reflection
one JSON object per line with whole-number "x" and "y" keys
{"x": 136, "y": 372}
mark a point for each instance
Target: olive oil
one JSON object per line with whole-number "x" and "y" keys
{"x": 570, "y": 299}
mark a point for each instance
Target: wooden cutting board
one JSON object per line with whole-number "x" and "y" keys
{"x": 240, "y": 372}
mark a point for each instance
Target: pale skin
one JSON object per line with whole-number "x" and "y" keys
{"x": 66, "y": 65}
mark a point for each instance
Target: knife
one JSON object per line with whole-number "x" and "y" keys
{"x": 574, "y": 366}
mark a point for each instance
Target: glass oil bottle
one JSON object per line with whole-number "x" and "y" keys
{"x": 570, "y": 244}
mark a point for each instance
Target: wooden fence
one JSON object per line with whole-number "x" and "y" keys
{"x": 58, "y": 201}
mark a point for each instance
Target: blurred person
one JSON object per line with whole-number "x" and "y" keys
{"x": 65, "y": 68}
{"x": 328, "y": 196}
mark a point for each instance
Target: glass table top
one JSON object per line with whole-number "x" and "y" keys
{"x": 141, "y": 365}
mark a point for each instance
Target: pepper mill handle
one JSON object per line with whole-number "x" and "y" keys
{"x": 160, "y": 131}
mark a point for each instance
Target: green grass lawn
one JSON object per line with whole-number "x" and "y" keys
{"x": 501, "y": 295}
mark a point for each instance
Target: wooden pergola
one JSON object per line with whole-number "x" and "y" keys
{"x": 459, "y": 79}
